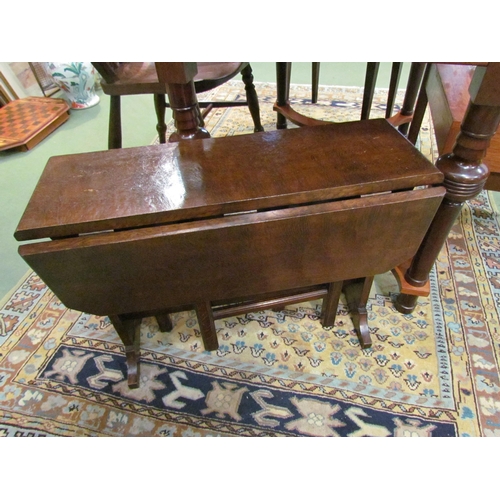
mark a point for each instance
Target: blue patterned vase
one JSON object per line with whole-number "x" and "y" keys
{"x": 77, "y": 80}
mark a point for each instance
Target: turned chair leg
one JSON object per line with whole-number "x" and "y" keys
{"x": 252, "y": 99}
{"x": 161, "y": 127}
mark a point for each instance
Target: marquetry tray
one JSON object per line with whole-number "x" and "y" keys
{"x": 25, "y": 122}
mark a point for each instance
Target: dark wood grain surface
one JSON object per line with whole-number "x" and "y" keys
{"x": 152, "y": 185}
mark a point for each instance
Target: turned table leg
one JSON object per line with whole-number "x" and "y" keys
{"x": 465, "y": 176}
{"x": 129, "y": 331}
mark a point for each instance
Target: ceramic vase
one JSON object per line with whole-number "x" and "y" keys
{"x": 77, "y": 81}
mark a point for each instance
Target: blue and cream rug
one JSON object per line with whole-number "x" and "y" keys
{"x": 432, "y": 373}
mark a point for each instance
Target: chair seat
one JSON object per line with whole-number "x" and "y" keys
{"x": 141, "y": 77}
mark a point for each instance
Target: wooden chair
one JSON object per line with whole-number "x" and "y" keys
{"x": 401, "y": 119}
{"x": 141, "y": 78}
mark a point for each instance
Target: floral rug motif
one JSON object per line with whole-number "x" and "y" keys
{"x": 431, "y": 373}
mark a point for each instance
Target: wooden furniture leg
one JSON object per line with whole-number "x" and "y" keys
{"x": 357, "y": 293}
{"x": 129, "y": 331}
{"x": 115, "y": 124}
{"x": 178, "y": 79}
{"x": 420, "y": 108}
{"x": 369, "y": 88}
{"x": 185, "y": 110}
{"x": 161, "y": 126}
{"x": 465, "y": 176}
{"x": 403, "y": 118}
{"x": 164, "y": 322}
{"x": 283, "y": 72}
{"x": 252, "y": 99}
{"x": 393, "y": 88}
{"x": 330, "y": 304}
{"x": 315, "y": 82}
{"x": 207, "y": 325}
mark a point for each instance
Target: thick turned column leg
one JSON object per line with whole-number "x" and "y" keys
{"x": 252, "y": 99}
{"x": 115, "y": 123}
{"x": 207, "y": 326}
{"x": 331, "y": 303}
{"x": 161, "y": 126}
{"x": 129, "y": 331}
{"x": 465, "y": 176}
{"x": 357, "y": 293}
{"x": 186, "y": 112}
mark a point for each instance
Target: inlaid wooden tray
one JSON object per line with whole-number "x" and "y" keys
{"x": 25, "y": 122}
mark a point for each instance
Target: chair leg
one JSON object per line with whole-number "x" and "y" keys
{"x": 393, "y": 88}
{"x": 283, "y": 73}
{"x": 252, "y": 99}
{"x": 420, "y": 108}
{"x": 415, "y": 77}
{"x": 115, "y": 123}
{"x": 315, "y": 82}
{"x": 370, "y": 81}
{"x": 161, "y": 127}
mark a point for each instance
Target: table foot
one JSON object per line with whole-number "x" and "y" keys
{"x": 357, "y": 293}
{"x": 129, "y": 331}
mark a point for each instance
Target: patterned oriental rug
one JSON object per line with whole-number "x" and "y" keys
{"x": 432, "y": 373}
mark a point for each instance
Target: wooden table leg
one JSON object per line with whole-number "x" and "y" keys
{"x": 331, "y": 303}
{"x": 357, "y": 293}
{"x": 164, "y": 322}
{"x": 465, "y": 176}
{"x": 207, "y": 326}
{"x": 129, "y": 331}
{"x": 186, "y": 112}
